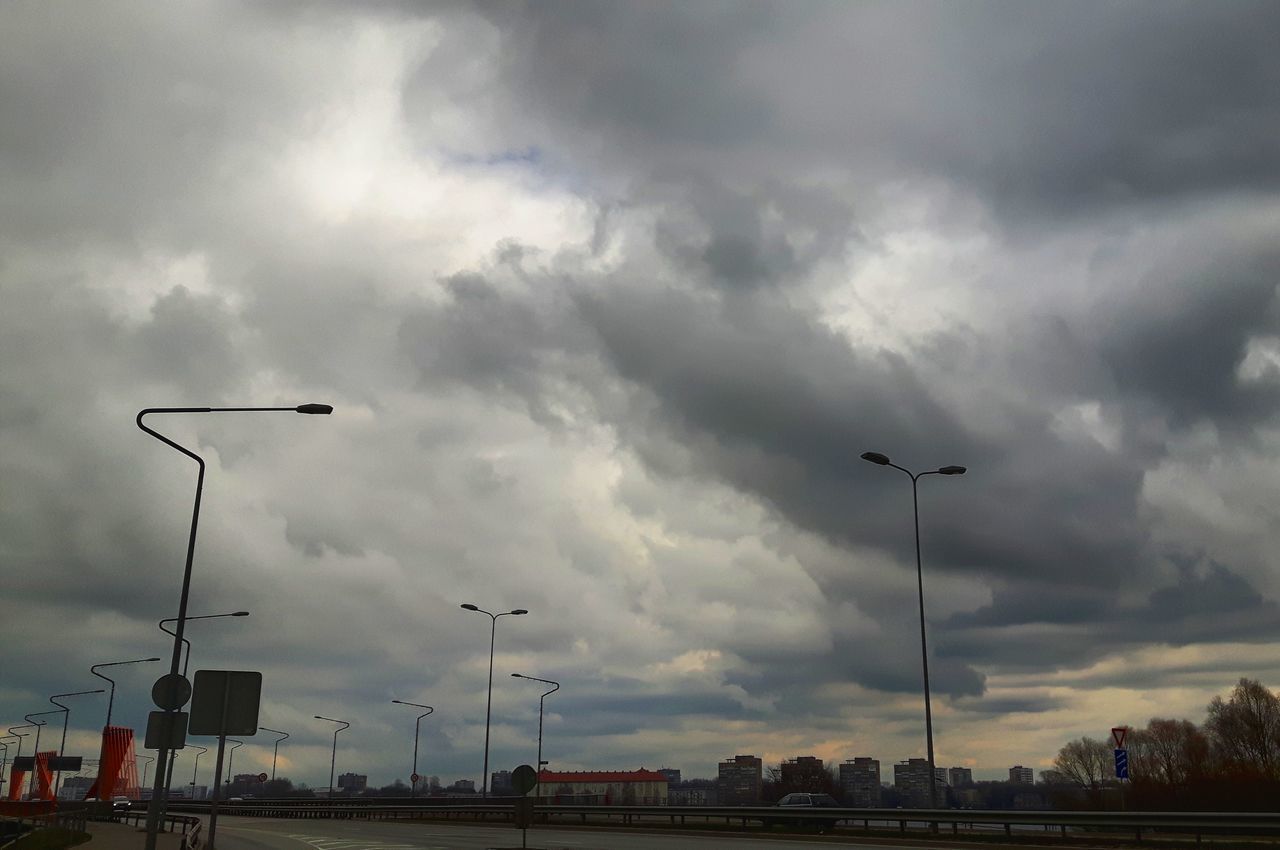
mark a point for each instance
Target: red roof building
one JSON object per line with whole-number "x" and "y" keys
{"x": 603, "y": 787}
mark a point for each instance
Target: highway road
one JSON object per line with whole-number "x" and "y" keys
{"x": 268, "y": 834}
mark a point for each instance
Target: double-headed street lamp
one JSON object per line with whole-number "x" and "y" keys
{"x": 334, "y": 757}
{"x": 231, "y": 759}
{"x": 883, "y": 460}
{"x": 413, "y": 777}
{"x": 540, "y": 699}
{"x": 153, "y": 811}
{"x": 276, "y": 751}
{"x": 145, "y": 768}
{"x": 66, "y": 716}
{"x": 493, "y": 629}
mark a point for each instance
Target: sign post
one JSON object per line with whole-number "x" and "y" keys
{"x": 225, "y": 702}
{"x": 1119, "y": 735}
{"x": 524, "y": 779}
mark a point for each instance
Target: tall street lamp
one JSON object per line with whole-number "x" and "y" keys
{"x": 153, "y": 810}
{"x": 66, "y": 716}
{"x": 196, "y": 768}
{"x": 186, "y": 662}
{"x": 20, "y": 736}
{"x": 231, "y": 759}
{"x": 413, "y": 777}
{"x": 883, "y": 460}
{"x": 35, "y": 753}
{"x": 173, "y": 754}
{"x": 493, "y": 629}
{"x": 146, "y": 767}
{"x": 540, "y": 699}
{"x": 334, "y": 757}
{"x": 111, "y": 700}
{"x": 276, "y": 751}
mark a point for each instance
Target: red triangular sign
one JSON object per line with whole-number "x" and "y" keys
{"x": 1118, "y": 734}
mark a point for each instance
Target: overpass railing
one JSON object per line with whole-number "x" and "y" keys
{"x": 956, "y": 821}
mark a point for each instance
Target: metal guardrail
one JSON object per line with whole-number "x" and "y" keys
{"x": 956, "y": 820}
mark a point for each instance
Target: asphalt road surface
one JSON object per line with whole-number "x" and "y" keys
{"x": 267, "y": 834}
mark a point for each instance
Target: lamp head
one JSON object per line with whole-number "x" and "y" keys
{"x": 516, "y": 676}
{"x": 469, "y": 606}
{"x": 519, "y": 611}
{"x": 240, "y": 614}
{"x": 952, "y": 470}
{"x": 321, "y": 409}
{"x": 876, "y": 457}
{"x": 151, "y": 659}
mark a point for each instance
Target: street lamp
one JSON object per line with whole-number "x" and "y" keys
{"x": 66, "y": 716}
{"x": 413, "y": 778}
{"x": 187, "y": 659}
{"x": 883, "y": 460}
{"x": 4, "y": 761}
{"x": 112, "y": 698}
{"x": 146, "y": 767}
{"x": 540, "y": 699}
{"x": 35, "y": 753}
{"x": 153, "y": 810}
{"x": 333, "y": 758}
{"x": 231, "y": 759}
{"x": 493, "y": 628}
{"x": 275, "y": 752}
{"x": 196, "y": 768}
{"x": 20, "y": 736}
{"x": 173, "y": 754}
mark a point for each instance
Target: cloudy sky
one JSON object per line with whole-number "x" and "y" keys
{"x": 609, "y": 298}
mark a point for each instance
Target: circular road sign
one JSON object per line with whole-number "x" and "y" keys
{"x": 171, "y": 692}
{"x": 414, "y": 778}
{"x": 262, "y": 777}
{"x": 524, "y": 779}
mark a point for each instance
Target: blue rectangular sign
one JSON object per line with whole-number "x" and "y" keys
{"x": 1122, "y": 764}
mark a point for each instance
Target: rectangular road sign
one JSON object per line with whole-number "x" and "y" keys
{"x": 167, "y": 730}
{"x": 1122, "y": 764}
{"x": 225, "y": 702}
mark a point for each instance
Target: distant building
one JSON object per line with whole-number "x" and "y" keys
{"x": 465, "y": 786}
{"x": 940, "y": 774}
{"x": 500, "y": 783}
{"x": 958, "y": 776}
{"x": 75, "y": 787}
{"x": 1022, "y": 775}
{"x": 199, "y": 792}
{"x": 693, "y": 792}
{"x": 804, "y": 773}
{"x": 352, "y": 783}
{"x": 603, "y": 787}
{"x": 673, "y": 775}
{"x": 739, "y": 780}
{"x": 860, "y": 782}
{"x": 911, "y": 778}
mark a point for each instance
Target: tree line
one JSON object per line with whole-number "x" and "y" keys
{"x": 1230, "y": 762}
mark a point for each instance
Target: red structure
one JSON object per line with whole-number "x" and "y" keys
{"x": 118, "y": 767}
{"x": 44, "y": 776}
{"x": 16, "y": 780}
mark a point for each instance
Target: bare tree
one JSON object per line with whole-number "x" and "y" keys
{"x": 1244, "y": 730}
{"x": 1168, "y": 752}
{"x": 1086, "y": 762}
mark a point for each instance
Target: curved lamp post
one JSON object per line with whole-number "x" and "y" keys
{"x": 413, "y": 791}
{"x": 231, "y": 759}
{"x": 35, "y": 753}
{"x": 20, "y": 736}
{"x": 276, "y": 751}
{"x": 333, "y": 758}
{"x": 196, "y": 767}
{"x": 112, "y": 698}
{"x": 153, "y": 810}
{"x": 493, "y": 629}
{"x": 883, "y": 460}
{"x": 540, "y": 699}
{"x": 146, "y": 767}
{"x": 66, "y": 716}
{"x": 4, "y": 761}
